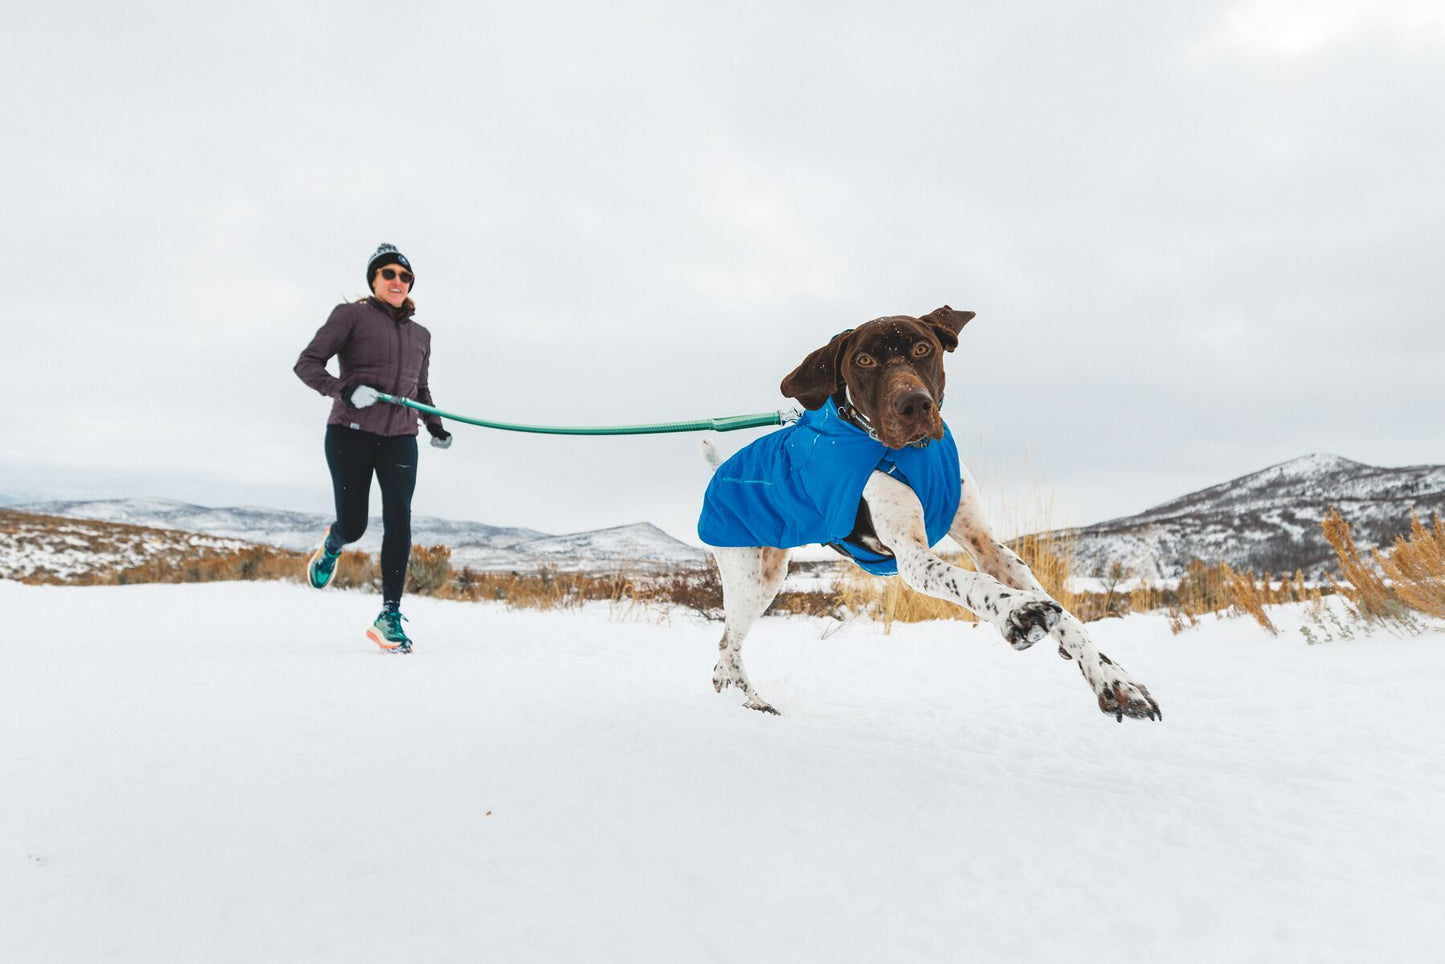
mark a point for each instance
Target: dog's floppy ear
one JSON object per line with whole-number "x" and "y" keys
{"x": 946, "y": 324}
{"x": 817, "y": 377}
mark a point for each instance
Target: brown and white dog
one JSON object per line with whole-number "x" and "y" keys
{"x": 887, "y": 377}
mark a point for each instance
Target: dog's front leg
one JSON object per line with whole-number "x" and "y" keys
{"x": 1118, "y": 694}
{"x": 970, "y": 530}
{"x": 1022, "y": 616}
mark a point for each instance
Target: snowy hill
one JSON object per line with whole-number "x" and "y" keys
{"x": 474, "y": 544}
{"x": 185, "y": 781}
{"x": 36, "y": 546}
{"x": 298, "y": 531}
{"x": 1268, "y": 520}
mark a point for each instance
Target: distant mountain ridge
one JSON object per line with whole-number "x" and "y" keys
{"x": 1268, "y": 520}
{"x": 478, "y": 545}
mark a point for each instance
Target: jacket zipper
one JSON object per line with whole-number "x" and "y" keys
{"x": 396, "y": 379}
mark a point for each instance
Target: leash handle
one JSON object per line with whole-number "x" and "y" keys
{"x": 727, "y": 423}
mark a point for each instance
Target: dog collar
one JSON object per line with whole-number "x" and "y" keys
{"x": 850, "y": 414}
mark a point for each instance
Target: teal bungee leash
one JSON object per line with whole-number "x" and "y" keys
{"x": 728, "y": 423}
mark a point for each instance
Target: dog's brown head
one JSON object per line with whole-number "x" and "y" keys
{"x": 892, "y": 369}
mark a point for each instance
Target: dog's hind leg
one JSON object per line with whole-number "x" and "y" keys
{"x": 751, "y": 578}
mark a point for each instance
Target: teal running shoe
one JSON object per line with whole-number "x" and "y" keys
{"x": 387, "y": 633}
{"x": 322, "y": 566}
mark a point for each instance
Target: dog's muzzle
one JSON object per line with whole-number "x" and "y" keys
{"x": 914, "y": 417}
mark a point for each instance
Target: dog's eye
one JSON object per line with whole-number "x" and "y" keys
{"x": 864, "y": 361}
{"x": 921, "y": 349}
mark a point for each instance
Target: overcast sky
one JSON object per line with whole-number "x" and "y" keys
{"x": 1200, "y": 238}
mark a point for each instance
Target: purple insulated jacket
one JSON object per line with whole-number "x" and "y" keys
{"x": 375, "y": 346}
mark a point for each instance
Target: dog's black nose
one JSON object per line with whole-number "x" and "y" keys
{"x": 913, "y": 404}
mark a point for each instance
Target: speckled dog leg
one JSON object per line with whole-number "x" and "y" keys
{"x": 1118, "y": 693}
{"x": 751, "y": 578}
{"x": 1022, "y": 616}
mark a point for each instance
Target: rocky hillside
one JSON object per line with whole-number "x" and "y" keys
{"x": 1269, "y": 520}
{"x": 45, "y": 548}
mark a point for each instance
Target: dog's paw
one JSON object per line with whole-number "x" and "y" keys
{"x": 756, "y": 702}
{"x": 1119, "y": 696}
{"x": 721, "y": 678}
{"x": 1030, "y": 618}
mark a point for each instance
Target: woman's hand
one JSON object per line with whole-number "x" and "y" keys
{"x": 359, "y": 396}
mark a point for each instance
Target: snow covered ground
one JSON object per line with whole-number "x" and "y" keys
{"x": 229, "y": 772}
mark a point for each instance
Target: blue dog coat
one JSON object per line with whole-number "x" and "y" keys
{"x": 802, "y": 484}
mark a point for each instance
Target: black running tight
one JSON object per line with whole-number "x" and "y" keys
{"x": 354, "y": 456}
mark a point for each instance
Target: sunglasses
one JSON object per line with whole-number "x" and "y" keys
{"x": 390, "y": 275}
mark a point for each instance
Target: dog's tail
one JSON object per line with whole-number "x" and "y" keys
{"x": 710, "y": 454}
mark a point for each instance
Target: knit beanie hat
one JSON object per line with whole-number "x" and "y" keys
{"x": 387, "y": 254}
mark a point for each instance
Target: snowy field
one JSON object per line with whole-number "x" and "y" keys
{"x": 230, "y": 772}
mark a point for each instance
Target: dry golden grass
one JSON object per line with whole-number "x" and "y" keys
{"x": 1028, "y": 508}
{"x": 1416, "y": 567}
{"x": 1387, "y": 587}
{"x": 1204, "y": 589}
{"x": 890, "y": 600}
{"x": 1363, "y": 585}
{"x": 1249, "y": 596}
{"x": 1377, "y": 586}
{"x": 259, "y": 562}
{"x": 1222, "y": 590}
{"x": 545, "y": 589}
{"x": 1145, "y": 597}
{"x": 354, "y": 570}
{"x": 548, "y": 588}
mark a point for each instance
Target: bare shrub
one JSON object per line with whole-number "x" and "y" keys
{"x": 695, "y": 590}
{"x": 355, "y": 570}
{"x": 1179, "y": 620}
{"x": 1145, "y": 597}
{"x": 429, "y": 569}
{"x": 1115, "y": 603}
{"x": 808, "y": 604}
{"x": 254, "y": 562}
{"x": 1203, "y": 589}
{"x": 548, "y": 588}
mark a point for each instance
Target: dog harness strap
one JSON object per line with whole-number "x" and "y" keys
{"x": 890, "y": 467}
{"x": 866, "y": 558}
